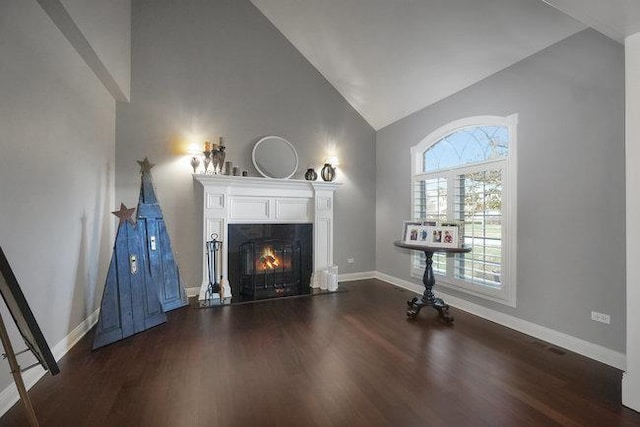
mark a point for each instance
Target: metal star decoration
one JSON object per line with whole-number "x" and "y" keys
{"x": 145, "y": 165}
{"x": 124, "y": 214}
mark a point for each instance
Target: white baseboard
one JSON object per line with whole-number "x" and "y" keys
{"x": 349, "y": 277}
{"x": 631, "y": 391}
{"x": 9, "y": 396}
{"x": 577, "y": 345}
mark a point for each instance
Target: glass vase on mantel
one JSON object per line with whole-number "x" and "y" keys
{"x": 207, "y": 161}
{"x": 328, "y": 172}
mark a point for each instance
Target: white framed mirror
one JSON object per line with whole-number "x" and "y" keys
{"x": 275, "y": 157}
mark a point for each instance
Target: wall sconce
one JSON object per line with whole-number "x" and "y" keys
{"x": 333, "y": 161}
{"x": 194, "y": 151}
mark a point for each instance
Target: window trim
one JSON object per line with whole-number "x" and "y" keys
{"x": 507, "y": 294}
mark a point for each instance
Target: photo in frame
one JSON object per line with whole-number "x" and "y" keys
{"x": 459, "y": 224}
{"x": 444, "y": 237}
{"x": 418, "y": 232}
{"x": 411, "y": 231}
{"x": 432, "y": 233}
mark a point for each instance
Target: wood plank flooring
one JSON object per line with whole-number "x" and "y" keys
{"x": 346, "y": 359}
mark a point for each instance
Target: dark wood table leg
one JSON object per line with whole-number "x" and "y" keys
{"x": 428, "y": 298}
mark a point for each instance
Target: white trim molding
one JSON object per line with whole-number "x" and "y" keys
{"x": 9, "y": 396}
{"x": 350, "y": 277}
{"x": 631, "y": 378}
{"x": 245, "y": 200}
{"x": 571, "y": 343}
{"x": 505, "y": 291}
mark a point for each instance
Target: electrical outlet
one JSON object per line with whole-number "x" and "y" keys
{"x": 350, "y": 261}
{"x": 601, "y": 317}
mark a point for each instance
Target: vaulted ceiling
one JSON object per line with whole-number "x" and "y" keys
{"x": 390, "y": 58}
{"x": 615, "y": 18}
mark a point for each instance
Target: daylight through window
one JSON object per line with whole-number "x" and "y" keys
{"x": 465, "y": 171}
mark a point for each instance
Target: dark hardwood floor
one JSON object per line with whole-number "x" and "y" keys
{"x": 346, "y": 359}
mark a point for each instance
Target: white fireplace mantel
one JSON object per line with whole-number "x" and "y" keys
{"x": 245, "y": 200}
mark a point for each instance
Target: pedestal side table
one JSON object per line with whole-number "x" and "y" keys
{"x": 428, "y": 299}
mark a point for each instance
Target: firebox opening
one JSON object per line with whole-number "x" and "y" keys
{"x": 269, "y": 260}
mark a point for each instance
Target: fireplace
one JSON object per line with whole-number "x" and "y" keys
{"x": 269, "y": 260}
{"x": 236, "y": 203}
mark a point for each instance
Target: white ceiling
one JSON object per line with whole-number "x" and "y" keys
{"x": 390, "y": 58}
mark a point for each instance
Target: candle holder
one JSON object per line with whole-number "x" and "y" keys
{"x": 221, "y": 155}
{"x": 207, "y": 160}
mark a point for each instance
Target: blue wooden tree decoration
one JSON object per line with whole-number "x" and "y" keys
{"x": 153, "y": 231}
{"x": 130, "y": 302}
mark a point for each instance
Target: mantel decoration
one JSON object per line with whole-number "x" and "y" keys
{"x": 214, "y": 155}
{"x": 275, "y": 157}
{"x": 310, "y": 174}
{"x": 207, "y": 156}
{"x": 328, "y": 172}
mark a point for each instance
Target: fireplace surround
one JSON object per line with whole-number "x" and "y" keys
{"x": 229, "y": 200}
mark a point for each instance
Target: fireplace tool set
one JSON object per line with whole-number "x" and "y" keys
{"x": 214, "y": 290}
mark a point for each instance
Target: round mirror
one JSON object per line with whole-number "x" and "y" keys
{"x": 275, "y": 157}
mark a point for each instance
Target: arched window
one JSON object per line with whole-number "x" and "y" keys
{"x": 466, "y": 171}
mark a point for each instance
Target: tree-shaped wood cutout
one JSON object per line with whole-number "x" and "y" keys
{"x": 153, "y": 231}
{"x": 130, "y": 302}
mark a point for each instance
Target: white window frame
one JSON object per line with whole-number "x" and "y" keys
{"x": 507, "y": 293}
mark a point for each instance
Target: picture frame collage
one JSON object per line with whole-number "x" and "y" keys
{"x": 443, "y": 234}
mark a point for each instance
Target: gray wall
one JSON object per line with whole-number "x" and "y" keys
{"x": 56, "y": 172}
{"x": 219, "y": 68}
{"x": 107, "y": 27}
{"x": 571, "y": 200}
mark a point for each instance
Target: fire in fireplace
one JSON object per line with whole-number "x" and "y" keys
{"x": 270, "y": 268}
{"x": 269, "y": 260}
